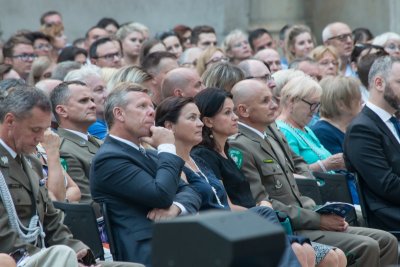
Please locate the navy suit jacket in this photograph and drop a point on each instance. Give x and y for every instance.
(371, 149)
(132, 184)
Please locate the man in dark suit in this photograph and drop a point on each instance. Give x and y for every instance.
(266, 161)
(372, 147)
(74, 108)
(25, 115)
(137, 188)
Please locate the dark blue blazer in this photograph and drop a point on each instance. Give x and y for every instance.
(132, 184)
(371, 150)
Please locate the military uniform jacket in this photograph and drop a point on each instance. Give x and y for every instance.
(28, 196)
(269, 167)
(78, 153)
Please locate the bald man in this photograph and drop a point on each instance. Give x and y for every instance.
(270, 57)
(266, 160)
(339, 35)
(256, 70)
(47, 85)
(181, 82)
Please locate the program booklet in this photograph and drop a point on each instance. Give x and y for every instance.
(338, 208)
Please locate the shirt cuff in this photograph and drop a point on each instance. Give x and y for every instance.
(169, 148)
(183, 209)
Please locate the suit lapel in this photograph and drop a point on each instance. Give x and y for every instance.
(147, 163)
(31, 175)
(381, 125)
(256, 138)
(11, 168)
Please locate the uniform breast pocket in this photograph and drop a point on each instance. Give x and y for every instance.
(20, 196)
(273, 178)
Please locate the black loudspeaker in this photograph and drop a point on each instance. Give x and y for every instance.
(217, 238)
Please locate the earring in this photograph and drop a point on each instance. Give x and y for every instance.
(211, 136)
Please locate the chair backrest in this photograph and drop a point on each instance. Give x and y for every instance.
(334, 188)
(81, 221)
(111, 241)
(361, 197)
(309, 188)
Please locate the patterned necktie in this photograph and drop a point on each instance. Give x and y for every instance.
(143, 151)
(395, 122)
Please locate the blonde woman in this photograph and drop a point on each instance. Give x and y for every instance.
(236, 46)
(300, 99)
(328, 60)
(298, 42)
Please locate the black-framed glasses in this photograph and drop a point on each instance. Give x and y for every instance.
(110, 57)
(267, 77)
(313, 106)
(342, 37)
(26, 57)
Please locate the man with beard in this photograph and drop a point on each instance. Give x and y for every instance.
(372, 145)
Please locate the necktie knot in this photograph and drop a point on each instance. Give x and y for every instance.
(143, 151)
(18, 159)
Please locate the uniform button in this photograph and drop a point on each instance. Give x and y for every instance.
(37, 201)
(293, 186)
(18, 200)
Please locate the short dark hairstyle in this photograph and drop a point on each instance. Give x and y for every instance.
(93, 47)
(48, 13)
(255, 34)
(282, 32)
(20, 101)
(61, 94)
(170, 109)
(69, 53)
(364, 65)
(104, 22)
(161, 36)
(90, 29)
(33, 36)
(152, 60)
(8, 48)
(210, 102)
(194, 39)
(146, 47)
(362, 33)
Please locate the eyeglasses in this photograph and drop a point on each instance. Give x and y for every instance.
(267, 77)
(313, 106)
(392, 47)
(342, 37)
(217, 59)
(110, 57)
(43, 47)
(25, 57)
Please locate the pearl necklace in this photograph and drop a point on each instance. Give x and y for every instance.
(201, 174)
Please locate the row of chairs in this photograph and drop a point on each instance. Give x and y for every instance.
(328, 188)
(81, 219)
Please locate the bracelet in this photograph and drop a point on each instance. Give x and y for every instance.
(321, 165)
